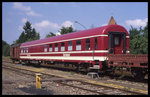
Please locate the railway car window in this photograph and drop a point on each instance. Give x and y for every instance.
(24, 50)
(62, 46)
(50, 48)
(27, 50)
(70, 46)
(45, 48)
(116, 40)
(87, 44)
(95, 43)
(78, 45)
(56, 47)
(21, 50)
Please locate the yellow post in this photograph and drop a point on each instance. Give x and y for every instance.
(38, 81)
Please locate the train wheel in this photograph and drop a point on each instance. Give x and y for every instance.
(122, 75)
(77, 68)
(20, 62)
(138, 75)
(13, 61)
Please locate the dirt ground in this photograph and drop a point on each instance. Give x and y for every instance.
(17, 84)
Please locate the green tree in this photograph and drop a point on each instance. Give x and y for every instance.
(145, 30)
(28, 29)
(34, 35)
(139, 40)
(65, 30)
(6, 48)
(28, 34)
(50, 34)
(37, 36)
(139, 45)
(22, 38)
(133, 32)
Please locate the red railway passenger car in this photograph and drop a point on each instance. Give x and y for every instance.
(88, 47)
(91, 49)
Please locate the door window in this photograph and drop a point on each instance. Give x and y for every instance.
(116, 39)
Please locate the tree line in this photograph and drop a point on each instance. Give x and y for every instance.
(29, 34)
(63, 30)
(138, 38)
(5, 48)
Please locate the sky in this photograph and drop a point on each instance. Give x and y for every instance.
(48, 17)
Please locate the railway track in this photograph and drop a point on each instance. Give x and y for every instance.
(106, 76)
(80, 84)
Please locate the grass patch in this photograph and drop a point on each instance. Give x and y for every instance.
(6, 57)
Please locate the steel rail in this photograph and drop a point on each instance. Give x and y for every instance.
(133, 92)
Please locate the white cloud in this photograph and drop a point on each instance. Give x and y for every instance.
(27, 9)
(45, 27)
(67, 24)
(32, 13)
(137, 22)
(46, 24)
(19, 6)
(24, 20)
